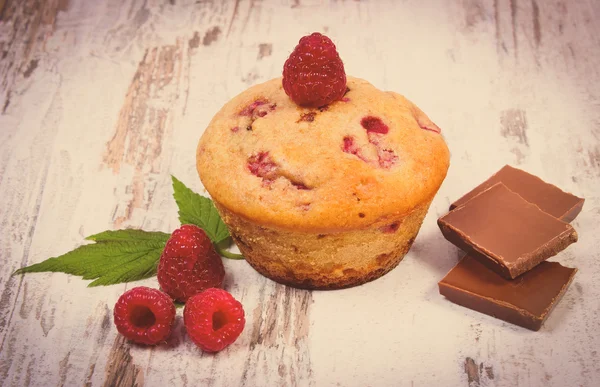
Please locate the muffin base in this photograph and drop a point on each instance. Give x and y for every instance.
(317, 260)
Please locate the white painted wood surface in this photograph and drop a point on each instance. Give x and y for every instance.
(100, 101)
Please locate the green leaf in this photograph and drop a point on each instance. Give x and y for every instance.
(116, 257)
(127, 235)
(198, 210)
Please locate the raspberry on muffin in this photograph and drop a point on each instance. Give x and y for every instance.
(314, 75)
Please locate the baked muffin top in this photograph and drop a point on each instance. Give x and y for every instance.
(358, 162)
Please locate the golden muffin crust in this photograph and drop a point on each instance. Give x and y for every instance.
(331, 169)
(324, 261)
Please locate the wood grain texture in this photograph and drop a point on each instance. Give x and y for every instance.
(101, 101)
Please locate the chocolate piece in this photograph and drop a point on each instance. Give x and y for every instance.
(526, 301)
(548, 197)
(505, 232)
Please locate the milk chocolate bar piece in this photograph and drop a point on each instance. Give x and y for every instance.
(506, 232)
(549, 198)
(526, 301)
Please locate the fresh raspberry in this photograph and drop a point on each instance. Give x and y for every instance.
(144, 315)
(189, 264)
(314, 74)
(213, 319)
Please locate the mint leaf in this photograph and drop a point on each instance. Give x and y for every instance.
(199, 210)
(116, 257)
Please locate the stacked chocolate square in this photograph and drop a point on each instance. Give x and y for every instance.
(508, 226)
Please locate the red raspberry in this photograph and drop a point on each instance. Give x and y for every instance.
(350, 146)
(374, 125)
(189, 264)
(250, 109)
(144, 315)
(314, 74)
(263, 166)
(213, 319)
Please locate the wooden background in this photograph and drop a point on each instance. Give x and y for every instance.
(101, 101)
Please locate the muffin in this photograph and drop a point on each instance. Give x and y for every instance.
(322, 198)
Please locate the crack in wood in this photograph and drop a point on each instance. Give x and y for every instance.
(2, 7)
(594, 158)
(194, 42)
(513, 21)
(63, 369)
(88, 376)
(5, 301)
(105, 324)
(63, 5)
(6, 101)
(537, 30)
(120, 368)
(264, 50)
(280, 325)
(211, 36)
(474, 13)
(47, 320)
(145, 119)
(497, 27)
(477, 374)
(50, 115)
(514, 124)
(505, 16)
(32, 23)
(472, 372)
(233, 16)
(33, 64)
